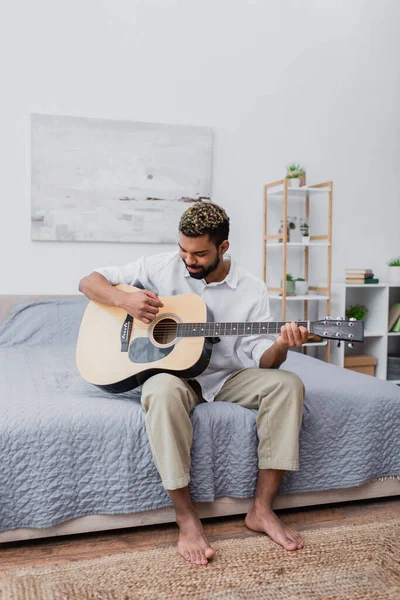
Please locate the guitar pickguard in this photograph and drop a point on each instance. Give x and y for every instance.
(142, 350)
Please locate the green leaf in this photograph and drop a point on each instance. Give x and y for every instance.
(356, 311)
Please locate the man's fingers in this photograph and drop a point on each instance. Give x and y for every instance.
(296, 334)
(152, 310)
(153, 298)
(304, 334)
(153, 304)
(149, 317)
(149, 293)
(289, 333)
(145, 320)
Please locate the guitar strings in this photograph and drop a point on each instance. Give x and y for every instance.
(181, 326)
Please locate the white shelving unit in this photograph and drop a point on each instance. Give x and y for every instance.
(279, 197)
(378, 341)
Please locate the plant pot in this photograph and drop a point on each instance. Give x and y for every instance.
(290, 287)
(294, 182)
(305, 239)
(394, 275)
(301, 288)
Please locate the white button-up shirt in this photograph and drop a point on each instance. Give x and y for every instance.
(239, 297)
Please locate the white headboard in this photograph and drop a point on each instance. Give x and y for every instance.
(7, 302)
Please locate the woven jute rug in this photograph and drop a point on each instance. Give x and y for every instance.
(359, 562)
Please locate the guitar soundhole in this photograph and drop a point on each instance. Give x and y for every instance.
(165, 331)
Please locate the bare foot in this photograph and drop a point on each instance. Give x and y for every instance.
(261, 518)
(193, 545)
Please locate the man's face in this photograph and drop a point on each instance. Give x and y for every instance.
(199, 254)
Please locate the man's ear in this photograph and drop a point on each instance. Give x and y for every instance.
(224, 247)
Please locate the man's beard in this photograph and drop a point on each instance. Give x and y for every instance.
(203, 272)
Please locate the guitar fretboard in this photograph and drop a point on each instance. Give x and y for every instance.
(222, 329)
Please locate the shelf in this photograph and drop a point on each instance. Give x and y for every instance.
(394, 333)
(298, 244)
(373, 334)
(299, 192)
(366, 285)
(298, 297)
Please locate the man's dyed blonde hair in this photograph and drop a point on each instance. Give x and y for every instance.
(205, 218)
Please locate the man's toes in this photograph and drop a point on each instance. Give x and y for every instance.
(193, 556)
(203, 560)
(295, 540)
(209, 552)
(294, 536)
(290, 544)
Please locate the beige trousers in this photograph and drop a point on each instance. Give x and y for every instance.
(168, 401)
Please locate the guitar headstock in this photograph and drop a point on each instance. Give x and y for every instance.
(339, 329)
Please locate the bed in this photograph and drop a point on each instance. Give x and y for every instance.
(76, 459)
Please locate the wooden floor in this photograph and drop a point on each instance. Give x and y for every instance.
(17, 555)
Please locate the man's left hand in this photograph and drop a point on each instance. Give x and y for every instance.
(292, 336)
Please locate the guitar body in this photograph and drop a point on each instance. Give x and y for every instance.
(102, 358)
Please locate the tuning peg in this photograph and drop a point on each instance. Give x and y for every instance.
(327, 318)
(351, 345)
(339, 319)
(352, 319)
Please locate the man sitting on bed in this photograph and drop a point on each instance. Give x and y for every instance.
(244, 370)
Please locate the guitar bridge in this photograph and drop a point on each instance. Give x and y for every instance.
(125, 334)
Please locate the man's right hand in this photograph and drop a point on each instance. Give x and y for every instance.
(143, 306)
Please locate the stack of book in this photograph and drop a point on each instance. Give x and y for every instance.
(360, 276)
(394, 318)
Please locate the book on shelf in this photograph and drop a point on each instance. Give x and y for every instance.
(359, 272)
(355, 281)
(359, 280)
(394, 316)
(359, 276)
(396, 326)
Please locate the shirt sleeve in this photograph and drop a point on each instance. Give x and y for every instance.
(254, 346)
(133, 273)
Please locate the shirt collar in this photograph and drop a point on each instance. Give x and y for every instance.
(231, 279)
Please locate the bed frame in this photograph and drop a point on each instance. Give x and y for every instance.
(220, 507)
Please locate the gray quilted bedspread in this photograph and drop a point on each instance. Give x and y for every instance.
(67, 449)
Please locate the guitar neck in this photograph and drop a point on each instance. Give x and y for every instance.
(235, 329)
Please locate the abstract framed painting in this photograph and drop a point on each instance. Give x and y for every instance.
(103, 180)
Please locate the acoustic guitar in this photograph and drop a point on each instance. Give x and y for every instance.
(119, 353)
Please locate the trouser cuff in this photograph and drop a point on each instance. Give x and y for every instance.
(175, 484)
(285, 465)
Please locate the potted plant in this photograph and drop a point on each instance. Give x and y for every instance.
(295, 175)
(305, 232)
(290, 224)
(356, 311)
(301, 286)
(290, 285)
(394, 270)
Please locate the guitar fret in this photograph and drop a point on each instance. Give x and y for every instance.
(231, 329)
